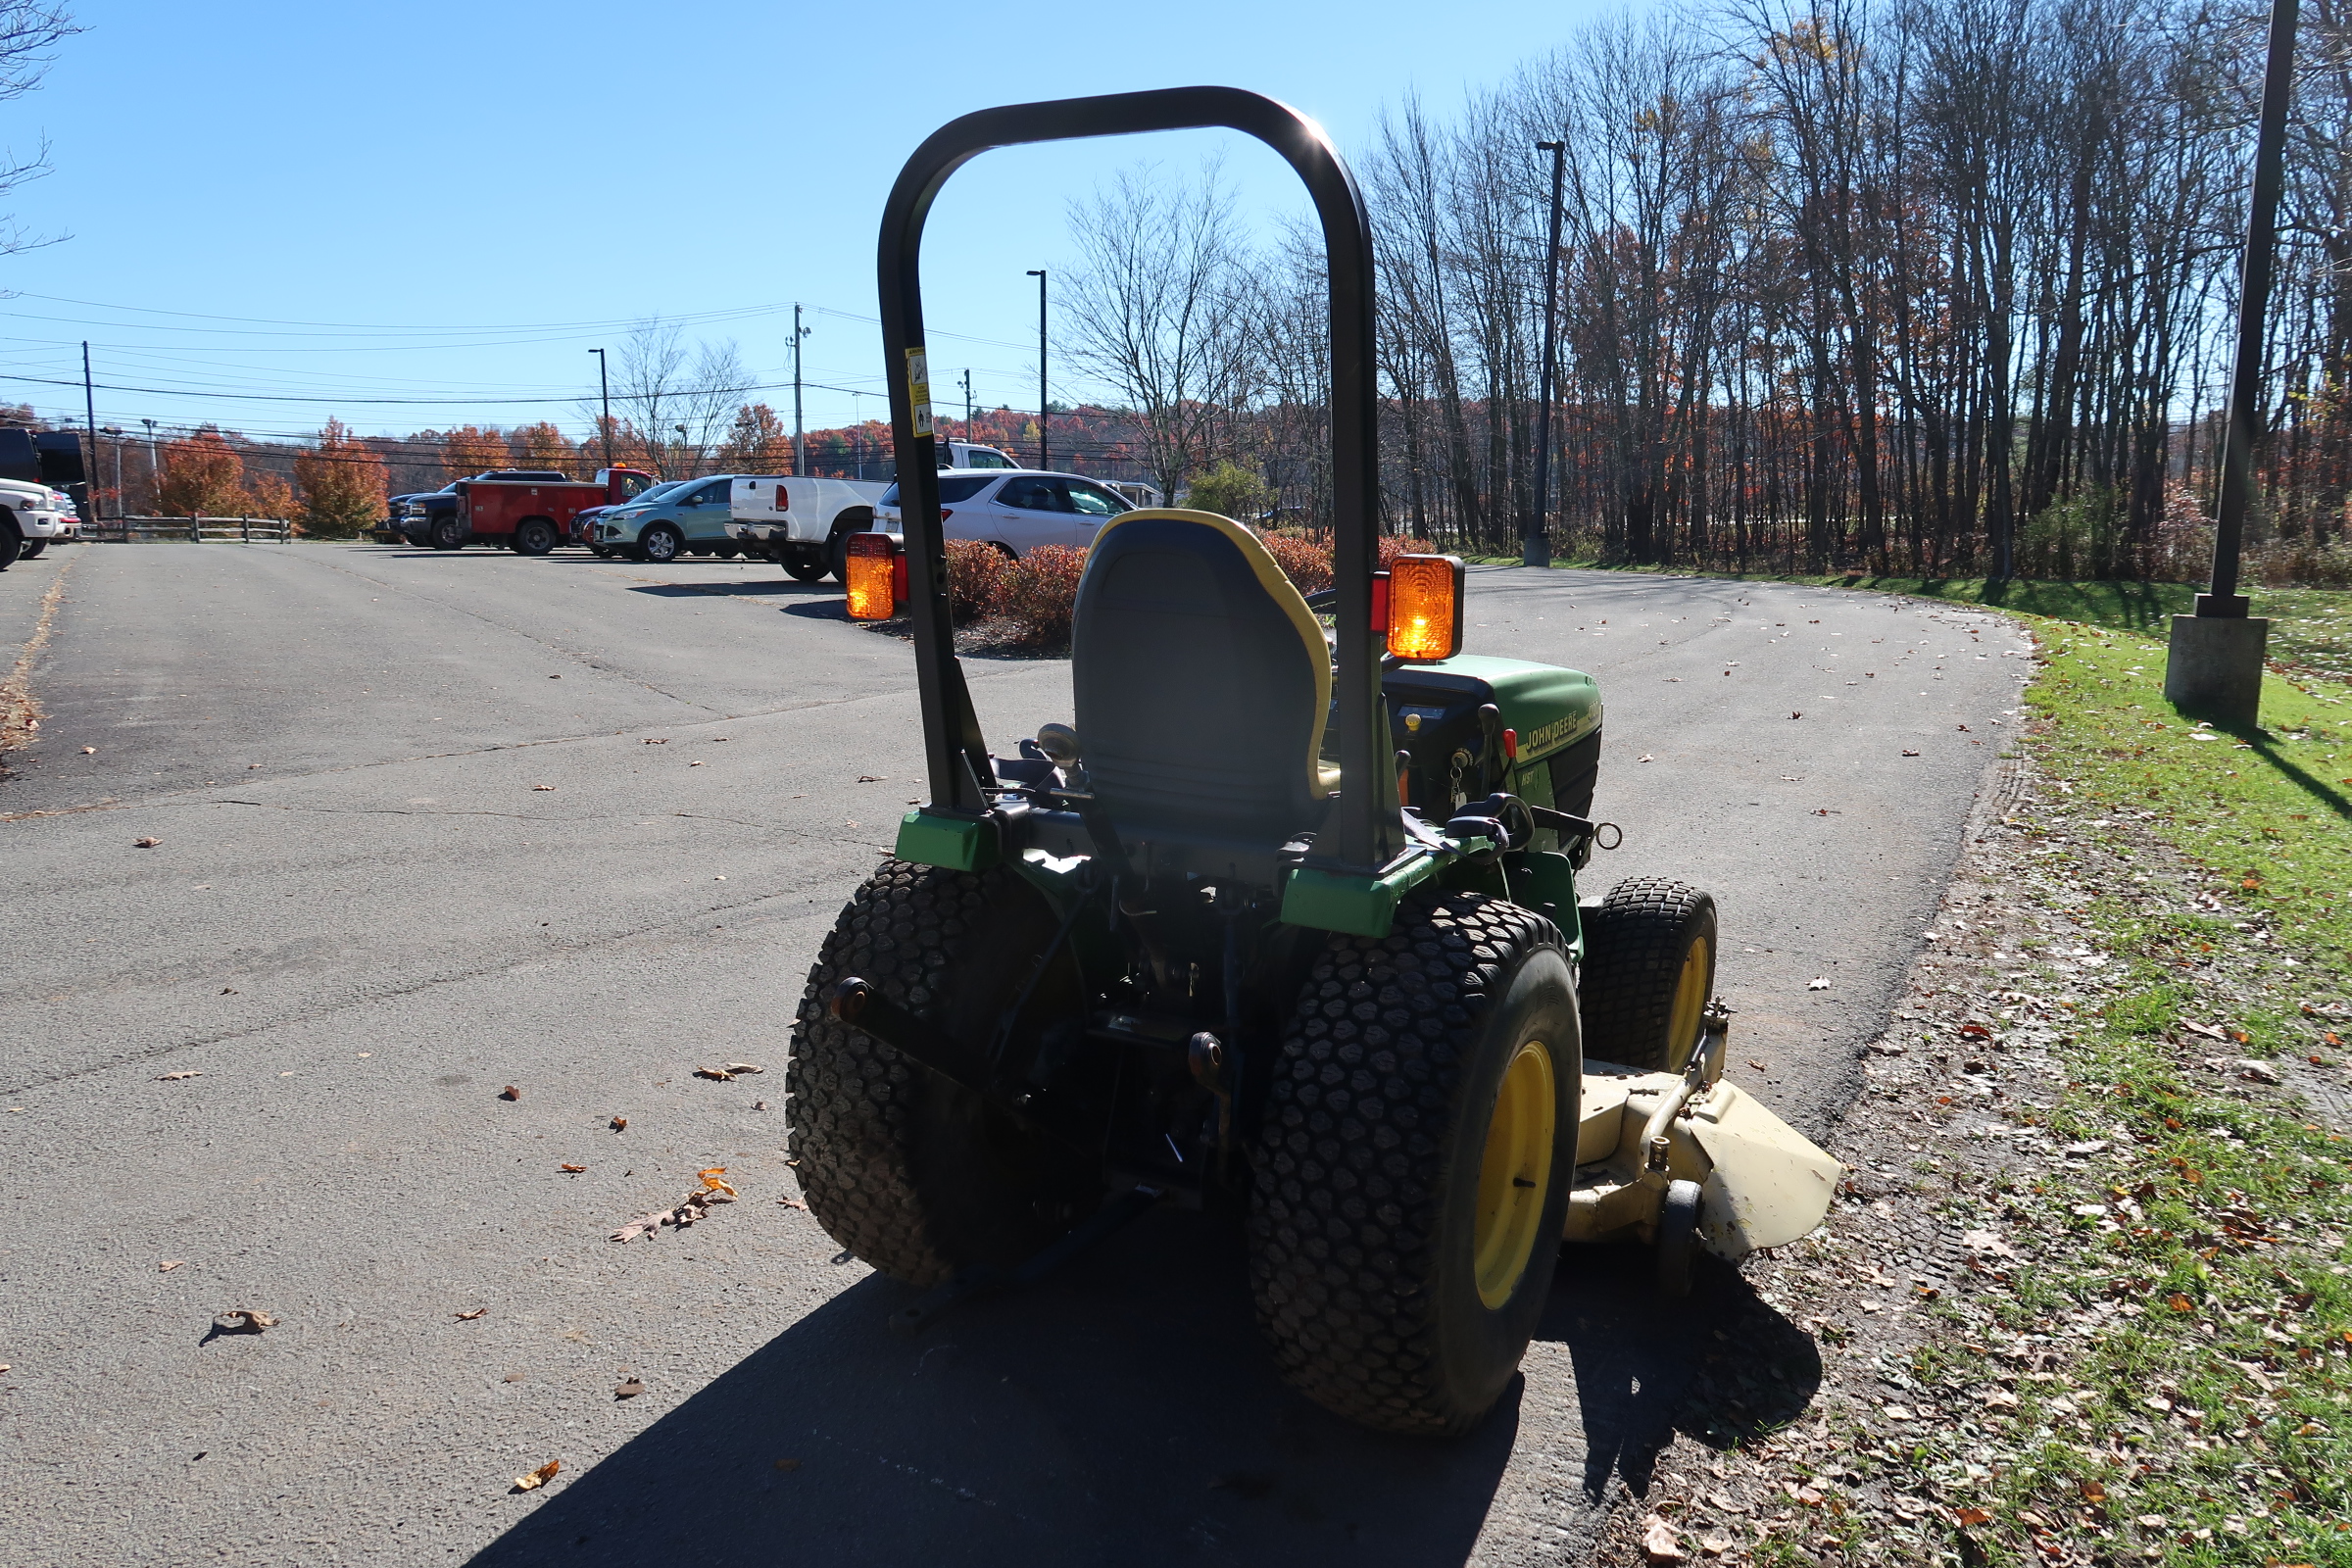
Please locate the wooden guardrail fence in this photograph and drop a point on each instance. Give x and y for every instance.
(194, 530)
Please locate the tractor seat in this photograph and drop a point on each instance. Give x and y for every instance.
(1201, 682)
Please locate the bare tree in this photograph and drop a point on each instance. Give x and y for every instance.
(674, 405)
(29, 30)
(1161, 308)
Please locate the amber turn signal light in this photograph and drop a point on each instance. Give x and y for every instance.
(872, 576)
(1425, 606)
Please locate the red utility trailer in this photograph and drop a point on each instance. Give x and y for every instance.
(531, 517)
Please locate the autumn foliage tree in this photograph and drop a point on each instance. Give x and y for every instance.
(757, 442)
(542, 445)
(342, 482)
(471, 449)
(203, 476)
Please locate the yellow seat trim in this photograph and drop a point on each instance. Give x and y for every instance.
(1322, 778)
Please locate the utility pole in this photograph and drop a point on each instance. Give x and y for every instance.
(605, 382)
(1535, 545)
(2215, 667)
(154, 463)
(967, 404)
(1044, 446)
(800, 456)
(89, 414)
(116, 432)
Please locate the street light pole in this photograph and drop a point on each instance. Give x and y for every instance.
(604, 384)
(1535, 545)
(2215, 667)
(89, 412)
(155, 463)
(800, 457)
(681, 429)
(1045, 448)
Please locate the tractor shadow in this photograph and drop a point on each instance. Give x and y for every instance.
(1123, 1411)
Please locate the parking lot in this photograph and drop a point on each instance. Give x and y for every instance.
(431, 825)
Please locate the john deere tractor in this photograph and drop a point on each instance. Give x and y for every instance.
(1284, 925)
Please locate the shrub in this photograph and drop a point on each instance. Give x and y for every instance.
(1305, 562)
(1230, 491)
(1391, 547)
(1041, 589)
(978, 574)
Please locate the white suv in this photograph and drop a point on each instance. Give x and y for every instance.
(31, 516)
(1016, 511)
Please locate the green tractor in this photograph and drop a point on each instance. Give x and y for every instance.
(1285, 925)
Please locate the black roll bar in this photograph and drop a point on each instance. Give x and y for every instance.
(1365, 819)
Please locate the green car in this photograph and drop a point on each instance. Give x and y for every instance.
(685, 516)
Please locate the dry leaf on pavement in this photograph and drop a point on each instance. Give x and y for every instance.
(543, 786)
(1658, 1542)
(539, 1477)
(794, 1203)
(689, 1209)
(243, 1320)
(572, 1171)
(170, 1264)
(1819, 982)
(620, 1123)
(467, 1317)
(145, 844)
(175, 1077)
(510, 1092)
(629, 1388)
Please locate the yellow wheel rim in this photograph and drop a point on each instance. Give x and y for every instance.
(1689, 1000)
(1514, 1173)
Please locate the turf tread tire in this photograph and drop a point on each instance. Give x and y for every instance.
(876, 1138)
(1634, 946)
(1349, 1194)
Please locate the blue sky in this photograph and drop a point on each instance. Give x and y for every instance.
(319, 205)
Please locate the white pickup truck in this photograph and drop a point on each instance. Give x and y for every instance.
(31, 514)
(806, 523)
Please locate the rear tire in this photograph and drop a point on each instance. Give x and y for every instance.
(449, 534)
(31, 548)
(534, 536)
(659, 544)
(1414, 1166)
(806, 568)
(915, 1174)
(12, 543)
(1649, 968)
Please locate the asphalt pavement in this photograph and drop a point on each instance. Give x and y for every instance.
(433, 824)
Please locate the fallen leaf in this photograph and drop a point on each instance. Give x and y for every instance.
(664, 741)
(2257, 1072)
(467, 1317)
(511, 1377)
(873, 778)
(716, 1074)
(1796, 716)
(1969, 1518)
(170, 1265)
(243, 1320)
(510, 1092)
(628, 1389)
(740, 1067)
(1910, 754)
(793, 1203)
(1819, 982)
(2092, 1492)
(573, 1170)
(1658, 1542)
(145, 844)
(175, 1077)
(697, 763)
(90, 751)
(710, 1179)
(1999, 1400)
(620, 1123)
(543, 786)
(539, 1477)
(2181, 1303)
(1985, 1241)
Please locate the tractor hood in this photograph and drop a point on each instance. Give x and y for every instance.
(1550, 707)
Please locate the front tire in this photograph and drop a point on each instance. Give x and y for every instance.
(1414, 1166)
(449, 534)
(31, 548)
(915, 1174)
(1649, 968)
(659, 544)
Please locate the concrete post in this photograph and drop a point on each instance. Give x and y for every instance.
(2215, 669)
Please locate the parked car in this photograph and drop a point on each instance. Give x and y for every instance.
(1019, 510)
(967, 454)
(32, 517)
